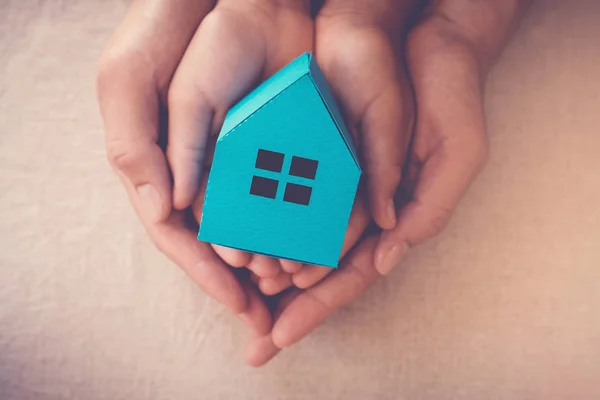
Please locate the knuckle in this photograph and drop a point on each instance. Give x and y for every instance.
(178, 96)
(120, 69)
(332, 16)
(437, 222)
(351, 38)
(122, 155)
(357, 279)
(353, 47)
(393, 175)
(434, 40)
(433, 219)
(186, 96)
(110, 70)
(385, 167)
(163, 247)
(355, 14)
(326, 305)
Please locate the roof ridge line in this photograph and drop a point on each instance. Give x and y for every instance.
(261, 107)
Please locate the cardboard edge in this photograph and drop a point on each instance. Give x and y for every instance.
(308, 57)
(230, 131)
(349, 146)
(328, 265)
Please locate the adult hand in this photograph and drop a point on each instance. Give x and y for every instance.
(448, 54)
(231, 52)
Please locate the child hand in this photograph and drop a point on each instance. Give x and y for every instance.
(358, 49)
(237, 45)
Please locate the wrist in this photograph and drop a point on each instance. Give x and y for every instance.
(483, 26)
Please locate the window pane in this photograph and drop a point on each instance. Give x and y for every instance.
(304, 167)
(269, 160)
(298, 194)
(264, 187)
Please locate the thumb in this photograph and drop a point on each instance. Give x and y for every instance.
(449, 149)
(221, 64)
(129, 103)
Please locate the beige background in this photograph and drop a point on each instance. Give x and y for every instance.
(504, 305)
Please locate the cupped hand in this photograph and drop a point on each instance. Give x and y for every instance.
(239, 44)
(358, 47)
(168, 76)
(448, 149)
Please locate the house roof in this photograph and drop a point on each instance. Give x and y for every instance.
(279, 82)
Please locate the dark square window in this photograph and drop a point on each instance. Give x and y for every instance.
(264, 187)
(298, 194)
(269, 160)
(303, 167)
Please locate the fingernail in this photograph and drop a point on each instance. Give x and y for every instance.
(392, 258)
(151, 201)
(391, 211)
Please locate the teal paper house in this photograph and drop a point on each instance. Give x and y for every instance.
(285, 173)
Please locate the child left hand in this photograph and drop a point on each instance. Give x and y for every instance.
(358, 48)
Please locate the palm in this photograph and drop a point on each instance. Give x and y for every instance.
(446, 154)
(362, 68)
(235, 48)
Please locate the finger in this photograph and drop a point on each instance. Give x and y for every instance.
(290, 266)
(276, 285)
(199, 262)
(256, 316)
(254, 278)
(309, 275)
(442, 181)
(226, 57)
(233, 257)
(129, 103)
(451, 147)
(360, 62)
(386, 127)
(205, 269)
(261, 349)
(135, 69)
(263, 266)
(310, 308)
(359, 220)
(223, 61)
(195, 258)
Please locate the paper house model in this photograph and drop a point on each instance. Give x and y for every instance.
(285, 173)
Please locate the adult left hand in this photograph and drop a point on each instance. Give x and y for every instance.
(358, 47)
(448, 55)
